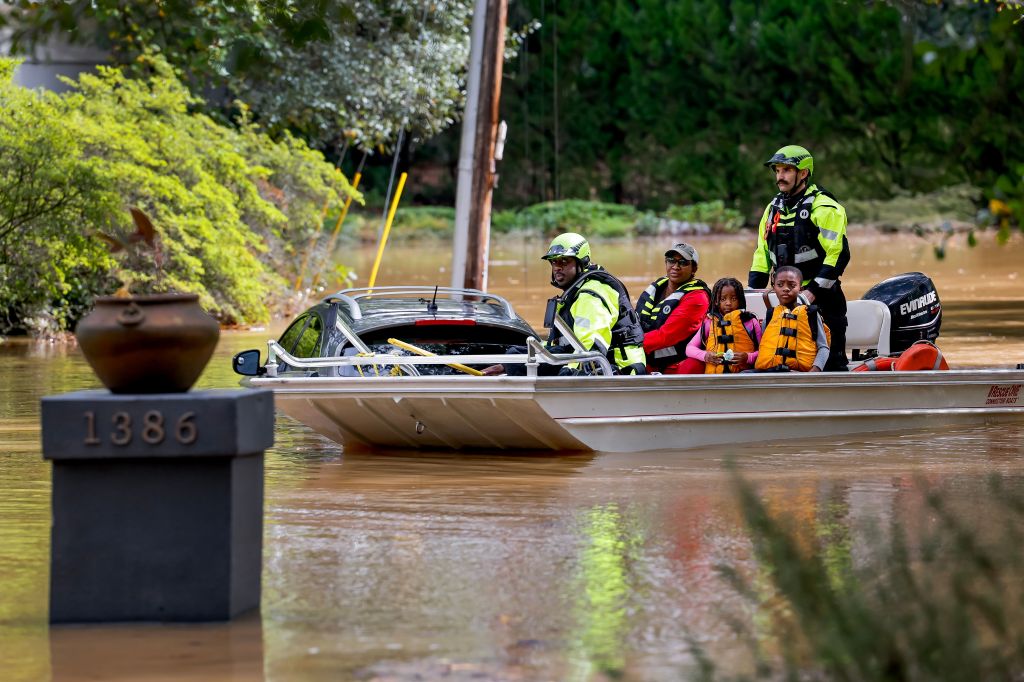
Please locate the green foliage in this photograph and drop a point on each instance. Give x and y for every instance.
(424, 221)
(931, 210)
(366, 67)
(681, 102)
(591, 218)
(232, 207)
(49, 266)
(714, 214)
(941, 604)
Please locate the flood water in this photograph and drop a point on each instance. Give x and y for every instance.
(470, 566)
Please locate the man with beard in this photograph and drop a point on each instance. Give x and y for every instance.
(805, 226)
(595, 305)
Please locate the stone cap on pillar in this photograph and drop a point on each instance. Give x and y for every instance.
(98, 424)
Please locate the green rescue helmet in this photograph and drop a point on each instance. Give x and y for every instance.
(793, 155)
(569, 245)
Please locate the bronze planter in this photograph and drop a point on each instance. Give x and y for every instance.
(148, 344)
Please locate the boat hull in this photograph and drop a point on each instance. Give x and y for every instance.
(634, 414)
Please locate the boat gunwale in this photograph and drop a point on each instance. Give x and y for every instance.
(507, 384)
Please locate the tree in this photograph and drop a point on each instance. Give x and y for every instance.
(233, 208)
(331, 71)
(655, 103)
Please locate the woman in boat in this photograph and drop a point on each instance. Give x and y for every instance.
(794, 336)
(729, 337)
(671, 311)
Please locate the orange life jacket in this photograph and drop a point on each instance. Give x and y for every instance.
(790, 337)
(728, 332)
(922, 355)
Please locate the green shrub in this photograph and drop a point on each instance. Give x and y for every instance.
(955, 204)
(423, 221)
(647, 224)
(238, 214)
(503, 222)
(714, 214)
(939, 604)
(590, 218)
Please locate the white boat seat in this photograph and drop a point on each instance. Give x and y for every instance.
(868, 325)
(868, 322)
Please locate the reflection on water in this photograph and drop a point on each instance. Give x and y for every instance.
(396, 566)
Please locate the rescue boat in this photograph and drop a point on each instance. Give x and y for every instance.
(352, 384)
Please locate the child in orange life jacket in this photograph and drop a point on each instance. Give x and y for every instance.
(728, 339)
(794, 334)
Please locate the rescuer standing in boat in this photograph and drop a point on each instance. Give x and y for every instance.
(805, 226)
(594, 304)
(671, 311)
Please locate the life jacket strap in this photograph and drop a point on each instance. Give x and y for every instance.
(788, 331)
(726, 338)
(785, 352)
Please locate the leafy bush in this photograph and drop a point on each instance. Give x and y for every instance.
(503, 222)
(420, 221)
(590, 218)
(955, 204)
(714, 214)
(236, 211)
(942, 604)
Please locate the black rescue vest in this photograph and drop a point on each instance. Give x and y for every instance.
(625, 332)
(793, 238)
(654, 310)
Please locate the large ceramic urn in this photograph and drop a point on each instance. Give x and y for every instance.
(148, 344)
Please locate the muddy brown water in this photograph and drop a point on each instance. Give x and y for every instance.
(470, 566)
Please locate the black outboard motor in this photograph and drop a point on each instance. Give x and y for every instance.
(913, 305)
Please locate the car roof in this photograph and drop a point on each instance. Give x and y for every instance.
(366, 309)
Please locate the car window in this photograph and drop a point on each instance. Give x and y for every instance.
(302, 338)
(308, 343)
(292, 334)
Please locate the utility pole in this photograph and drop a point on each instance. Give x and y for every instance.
(481, 140)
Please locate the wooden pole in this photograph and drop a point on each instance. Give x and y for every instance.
(486, 136)
(472, 240)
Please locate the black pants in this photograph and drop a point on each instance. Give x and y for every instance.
(832, 307)
(516, 369)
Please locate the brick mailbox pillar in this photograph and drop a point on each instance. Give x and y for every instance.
(157, 504)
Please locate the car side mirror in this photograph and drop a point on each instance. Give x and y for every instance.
(247, 363)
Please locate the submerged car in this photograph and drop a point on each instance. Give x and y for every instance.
(390, 320)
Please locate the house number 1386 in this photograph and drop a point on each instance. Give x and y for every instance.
(152, 429)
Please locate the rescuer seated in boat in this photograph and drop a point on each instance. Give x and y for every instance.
(794, 336)
(594, 304)
(729, 337)
(671, 311)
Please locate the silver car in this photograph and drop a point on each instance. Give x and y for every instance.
(438, 320)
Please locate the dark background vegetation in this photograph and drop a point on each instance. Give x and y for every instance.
(626, 117)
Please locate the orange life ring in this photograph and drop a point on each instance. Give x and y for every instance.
(922, 355)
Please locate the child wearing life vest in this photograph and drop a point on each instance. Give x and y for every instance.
(729, 336)
(794, 334)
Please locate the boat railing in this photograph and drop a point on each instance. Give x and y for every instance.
(536, 355)
(351, 297)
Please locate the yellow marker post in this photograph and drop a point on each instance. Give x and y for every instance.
(387, 231)
(337, 225)
(419, 351)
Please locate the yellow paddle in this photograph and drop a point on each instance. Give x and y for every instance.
(419, 351)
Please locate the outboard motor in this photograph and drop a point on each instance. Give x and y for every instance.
(914, 307)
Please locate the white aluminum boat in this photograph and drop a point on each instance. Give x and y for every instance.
(630, 414)
(360, 392)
